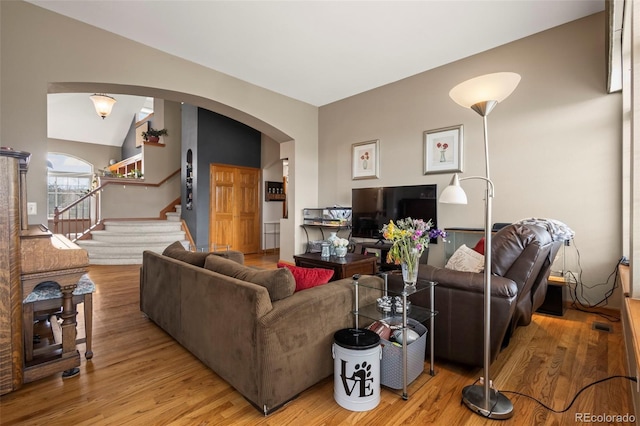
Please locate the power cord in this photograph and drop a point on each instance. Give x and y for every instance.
(577, 291)
(633, 379)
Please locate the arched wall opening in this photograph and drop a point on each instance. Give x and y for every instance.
(270, 132)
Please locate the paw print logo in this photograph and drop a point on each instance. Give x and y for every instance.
(361, 380)
(363, 371)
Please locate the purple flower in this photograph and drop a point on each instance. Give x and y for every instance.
(435, 233)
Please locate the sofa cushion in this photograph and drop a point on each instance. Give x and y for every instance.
(279, 282)
(308, 277)
(479, 247)
(177, 251)
(466, 259)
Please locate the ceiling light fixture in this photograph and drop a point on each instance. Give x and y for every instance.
(103, 104)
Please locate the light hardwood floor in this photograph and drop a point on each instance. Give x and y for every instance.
(140, 375)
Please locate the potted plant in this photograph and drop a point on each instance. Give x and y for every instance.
(135, 173)
(153, 135)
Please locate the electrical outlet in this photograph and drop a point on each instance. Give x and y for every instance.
(32, 209)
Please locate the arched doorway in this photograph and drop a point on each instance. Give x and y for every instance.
(269, 131)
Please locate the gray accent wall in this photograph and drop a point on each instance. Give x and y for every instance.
(213, 139)
(129, 148)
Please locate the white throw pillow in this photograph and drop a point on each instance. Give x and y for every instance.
(466, 259)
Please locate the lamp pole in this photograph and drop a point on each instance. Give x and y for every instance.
(482, 94)
(482, 399)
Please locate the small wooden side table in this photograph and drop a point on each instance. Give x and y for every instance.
(343, 267)
(554, 300)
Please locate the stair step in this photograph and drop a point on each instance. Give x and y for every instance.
(123, 242)
(143, 226)
(134, 260)
(173, 217)
(124, 248)
(120, 255)
(142, 237)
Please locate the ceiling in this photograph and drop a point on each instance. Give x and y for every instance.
(77, 108)
(322, 51)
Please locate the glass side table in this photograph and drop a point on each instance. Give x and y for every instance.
(394, 286)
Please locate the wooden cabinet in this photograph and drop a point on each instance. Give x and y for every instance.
(11, 346)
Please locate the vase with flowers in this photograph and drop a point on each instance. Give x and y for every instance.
(340, 245)
(409, 238)
(443, 149)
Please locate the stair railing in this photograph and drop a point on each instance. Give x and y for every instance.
(70, 220)
(73, 222)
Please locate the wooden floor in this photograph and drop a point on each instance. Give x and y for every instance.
(140, 375)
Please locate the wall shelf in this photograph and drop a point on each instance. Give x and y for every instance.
(274, 191)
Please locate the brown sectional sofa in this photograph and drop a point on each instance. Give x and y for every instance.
(268, 350)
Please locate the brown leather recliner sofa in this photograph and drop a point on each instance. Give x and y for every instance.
(521, 259)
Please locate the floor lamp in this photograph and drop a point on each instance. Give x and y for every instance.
(482, 94)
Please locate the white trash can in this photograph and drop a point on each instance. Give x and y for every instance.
(356, 377)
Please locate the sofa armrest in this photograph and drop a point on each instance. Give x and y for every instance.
(468, 281)
(297, 335)
(459, 324)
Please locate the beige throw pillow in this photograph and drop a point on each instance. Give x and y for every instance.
(278, 282)
(466, 259)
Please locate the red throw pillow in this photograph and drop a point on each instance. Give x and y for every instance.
(308, 277)
(480, 246)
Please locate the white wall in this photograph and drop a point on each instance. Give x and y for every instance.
(555, 144)
(271, 210)
(43, 51)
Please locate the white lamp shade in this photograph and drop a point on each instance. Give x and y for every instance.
(103, 104)
(490, 87)
(453, 194)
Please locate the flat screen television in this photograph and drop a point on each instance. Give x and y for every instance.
(374, 207)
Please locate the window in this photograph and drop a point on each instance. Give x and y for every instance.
(68, 178)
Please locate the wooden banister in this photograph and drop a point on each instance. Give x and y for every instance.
(187, 233)
(127, 165)
(76, 228)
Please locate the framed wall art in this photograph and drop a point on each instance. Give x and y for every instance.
(365, 163)
(443, 150)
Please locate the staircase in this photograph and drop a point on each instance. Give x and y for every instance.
(122, 242)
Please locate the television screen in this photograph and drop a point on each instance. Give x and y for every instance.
(374, 207)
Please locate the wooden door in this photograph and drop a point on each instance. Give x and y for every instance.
(235, 207)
